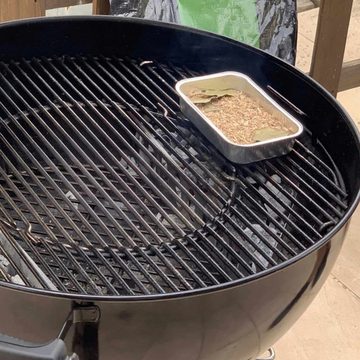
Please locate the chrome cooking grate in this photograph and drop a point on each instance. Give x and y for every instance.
(106, 189)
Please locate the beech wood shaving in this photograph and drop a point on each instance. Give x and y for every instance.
(238, 117)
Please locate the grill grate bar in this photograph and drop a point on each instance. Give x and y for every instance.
(121, 279)
(160, 102)
(146, 165)
(144, 272)
(159, 272)
(29, 243)
(150, 82)
(49, 232)
(171, 78)
(122, 198)
(153, 282)
(115, 275)
(218, 254)
(138, 97)
(125, 197)
(92, 266)
(334, 183)
(179, 73)
(128, 271)
(84, 255)
(311, 189)
(261, 222)
(204, 271)
(177, 275)
(114, 271)
(83, 177)
(319, 185)
(278, 212)
(158, 77)
(141, 132)
(63, 162)
(65, 226)
(47, 195)
(149, 126)
(293, 200)
(302, 192)
(105, 194)
(18, 267)
(43, 179)
(64, 198)
(232, 251)
(211, 259)
(238, 241)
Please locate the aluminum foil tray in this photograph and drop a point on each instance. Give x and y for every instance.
(241, 154)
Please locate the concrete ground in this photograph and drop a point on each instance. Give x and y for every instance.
(330, 329)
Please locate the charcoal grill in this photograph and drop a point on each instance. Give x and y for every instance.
(113, 204)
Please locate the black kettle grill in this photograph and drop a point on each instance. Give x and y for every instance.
(124, 233)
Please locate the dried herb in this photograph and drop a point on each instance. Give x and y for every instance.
(204, 96)
(268, 133)
(239, 117)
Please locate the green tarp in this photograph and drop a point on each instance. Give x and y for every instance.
(234, 18)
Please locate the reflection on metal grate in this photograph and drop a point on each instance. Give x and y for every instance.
(107, 189)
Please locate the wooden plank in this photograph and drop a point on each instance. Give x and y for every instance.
(55, 4)
(101, 7)
(330, 41)
(303, 5)
(350, 75)
(19, 9)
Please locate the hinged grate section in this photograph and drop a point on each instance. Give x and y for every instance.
(106, 189)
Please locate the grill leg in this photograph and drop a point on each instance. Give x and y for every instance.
(85, 341)
(271, 355)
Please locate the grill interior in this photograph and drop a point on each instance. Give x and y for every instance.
(107, 189)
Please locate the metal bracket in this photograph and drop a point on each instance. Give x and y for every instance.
(72, 357)
(80, 314)
(271, 355)
(87, 314)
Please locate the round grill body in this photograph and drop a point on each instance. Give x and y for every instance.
(111, 198)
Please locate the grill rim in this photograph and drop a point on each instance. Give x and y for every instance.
(355, 199)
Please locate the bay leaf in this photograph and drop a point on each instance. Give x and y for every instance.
(204, 96)
(201, 99)
(219, 92)
(268, 133)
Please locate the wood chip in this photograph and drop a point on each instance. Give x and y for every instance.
(240, 118)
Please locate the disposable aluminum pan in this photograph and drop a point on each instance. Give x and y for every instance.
(241, 154)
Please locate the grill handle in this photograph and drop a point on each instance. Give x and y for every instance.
(16, 349)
